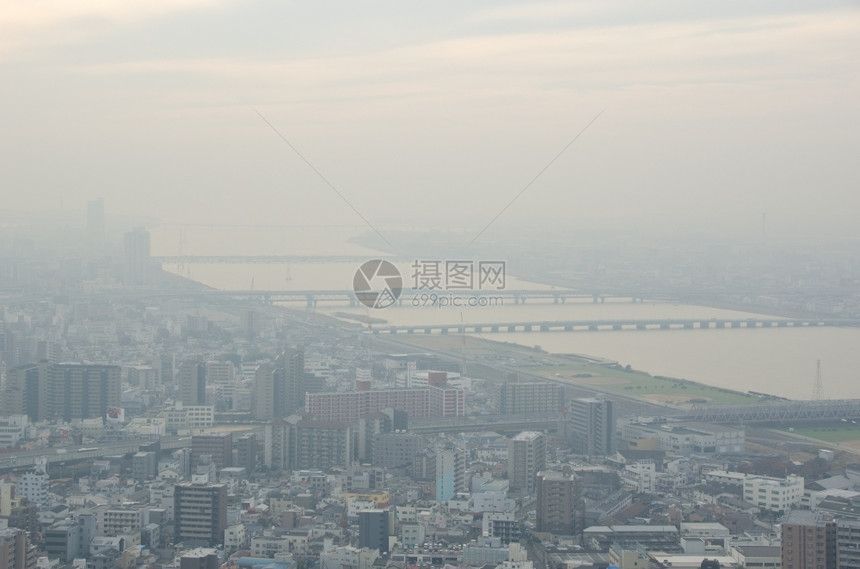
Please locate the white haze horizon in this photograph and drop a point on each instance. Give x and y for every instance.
(438, 116)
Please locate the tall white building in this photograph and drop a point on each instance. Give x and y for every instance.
(34, 486)
(450, 473)
(526, 456)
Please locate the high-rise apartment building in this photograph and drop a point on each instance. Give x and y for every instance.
(526, 457)
(200, 513)
(450, 473)
(191, 379)
(167, 368)
(290, 368)
(808, 541)
(367, 429)
(418, 403)
(16, 552)
(276, 441)
(396, 450)
(139, 269)
(301, 443)
(521, 398)
(144, 465)
(220, 372)
(26, 392)
(320, 445)
(265, 393)
(246, 451)
(7, 498)
(374, 527)
(64, 392)
(424, 466)
(848, 543)
(218, 446)
(590, 426)
(279, 388)
(83, 391)
(145, 377)
(560, 509)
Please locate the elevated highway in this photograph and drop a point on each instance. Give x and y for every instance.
(28, 458)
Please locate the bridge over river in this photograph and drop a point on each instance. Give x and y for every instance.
(777, 411)
(595, 325)
(311, 298)
(267, 259)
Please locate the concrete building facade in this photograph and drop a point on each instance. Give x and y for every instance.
(590, 426)
(526, 457)
(200, 514)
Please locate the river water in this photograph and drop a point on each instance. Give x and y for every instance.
(778, 361)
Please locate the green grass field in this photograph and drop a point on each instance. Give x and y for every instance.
(829, 434)
(579, 371)
(637, 384)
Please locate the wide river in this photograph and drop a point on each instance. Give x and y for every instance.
(779, 361)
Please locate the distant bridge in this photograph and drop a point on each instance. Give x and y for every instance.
(409, 297)
(773, 412)
(429, 298)
(271, 259)
(595, 325)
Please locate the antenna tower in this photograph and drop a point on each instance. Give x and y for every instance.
(818, 388)
(463, 347)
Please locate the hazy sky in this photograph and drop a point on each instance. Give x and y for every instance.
(715, 111)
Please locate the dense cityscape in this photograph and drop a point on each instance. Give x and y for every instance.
(144, 423)
(497, 284)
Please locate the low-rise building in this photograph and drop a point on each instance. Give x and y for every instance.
(774, 494)
(13, 428)
(503, 525)
(684, 438)
(189, 417)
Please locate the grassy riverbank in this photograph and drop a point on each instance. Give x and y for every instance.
(581, 370)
